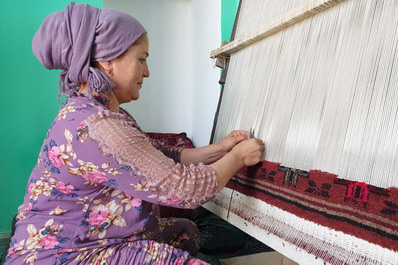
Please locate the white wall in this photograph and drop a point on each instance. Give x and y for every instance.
(182, 92)
(206, 36)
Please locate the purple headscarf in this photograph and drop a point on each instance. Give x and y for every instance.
(73, 38)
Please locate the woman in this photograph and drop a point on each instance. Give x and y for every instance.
(93, 196)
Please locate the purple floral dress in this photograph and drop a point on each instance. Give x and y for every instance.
(93, 196)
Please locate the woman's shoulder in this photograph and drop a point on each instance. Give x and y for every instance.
(74, 113)
(80, 106)
(81, 111)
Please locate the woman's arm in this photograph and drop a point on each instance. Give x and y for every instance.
(228, 156)
(146, 173)
(211, 153)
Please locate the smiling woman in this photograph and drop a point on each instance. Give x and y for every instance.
(93, 195)
(127, 72)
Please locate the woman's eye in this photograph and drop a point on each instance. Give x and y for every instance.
(142, 60)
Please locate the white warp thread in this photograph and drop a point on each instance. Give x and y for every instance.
(322, 93)
(278, 228)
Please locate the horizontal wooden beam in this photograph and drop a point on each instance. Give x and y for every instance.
(296, 15)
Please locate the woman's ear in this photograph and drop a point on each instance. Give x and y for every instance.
(105, 67)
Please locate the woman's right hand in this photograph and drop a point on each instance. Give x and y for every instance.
(246, 153)
(249, 151)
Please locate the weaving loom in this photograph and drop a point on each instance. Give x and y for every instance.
(317, 80)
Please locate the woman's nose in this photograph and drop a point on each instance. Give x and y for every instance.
(146, 71)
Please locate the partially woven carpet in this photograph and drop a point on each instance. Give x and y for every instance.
(355, 208)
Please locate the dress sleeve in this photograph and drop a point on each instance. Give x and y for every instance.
(170, 182)
(169, 151)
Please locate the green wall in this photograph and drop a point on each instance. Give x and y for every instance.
(29, 98)
(228, 14)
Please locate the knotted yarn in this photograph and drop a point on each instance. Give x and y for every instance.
(72, 39)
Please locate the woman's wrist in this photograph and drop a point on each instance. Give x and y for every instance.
(226, 167)
(234, 160)
(220, 149)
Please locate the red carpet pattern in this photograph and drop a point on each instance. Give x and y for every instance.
(355, 208)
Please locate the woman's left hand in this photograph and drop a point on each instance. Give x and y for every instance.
(233, 139)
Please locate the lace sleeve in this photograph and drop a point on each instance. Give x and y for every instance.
(118, 136)
(169, 151)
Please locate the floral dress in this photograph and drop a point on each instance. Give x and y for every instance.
(93, 196)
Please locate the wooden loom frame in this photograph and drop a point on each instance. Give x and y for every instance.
(225, 198)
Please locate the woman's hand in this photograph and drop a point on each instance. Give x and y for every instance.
(233, 139)
(249, 151)
(245, 153)
(211, 153)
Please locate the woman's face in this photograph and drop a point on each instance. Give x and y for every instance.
(129, 70)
